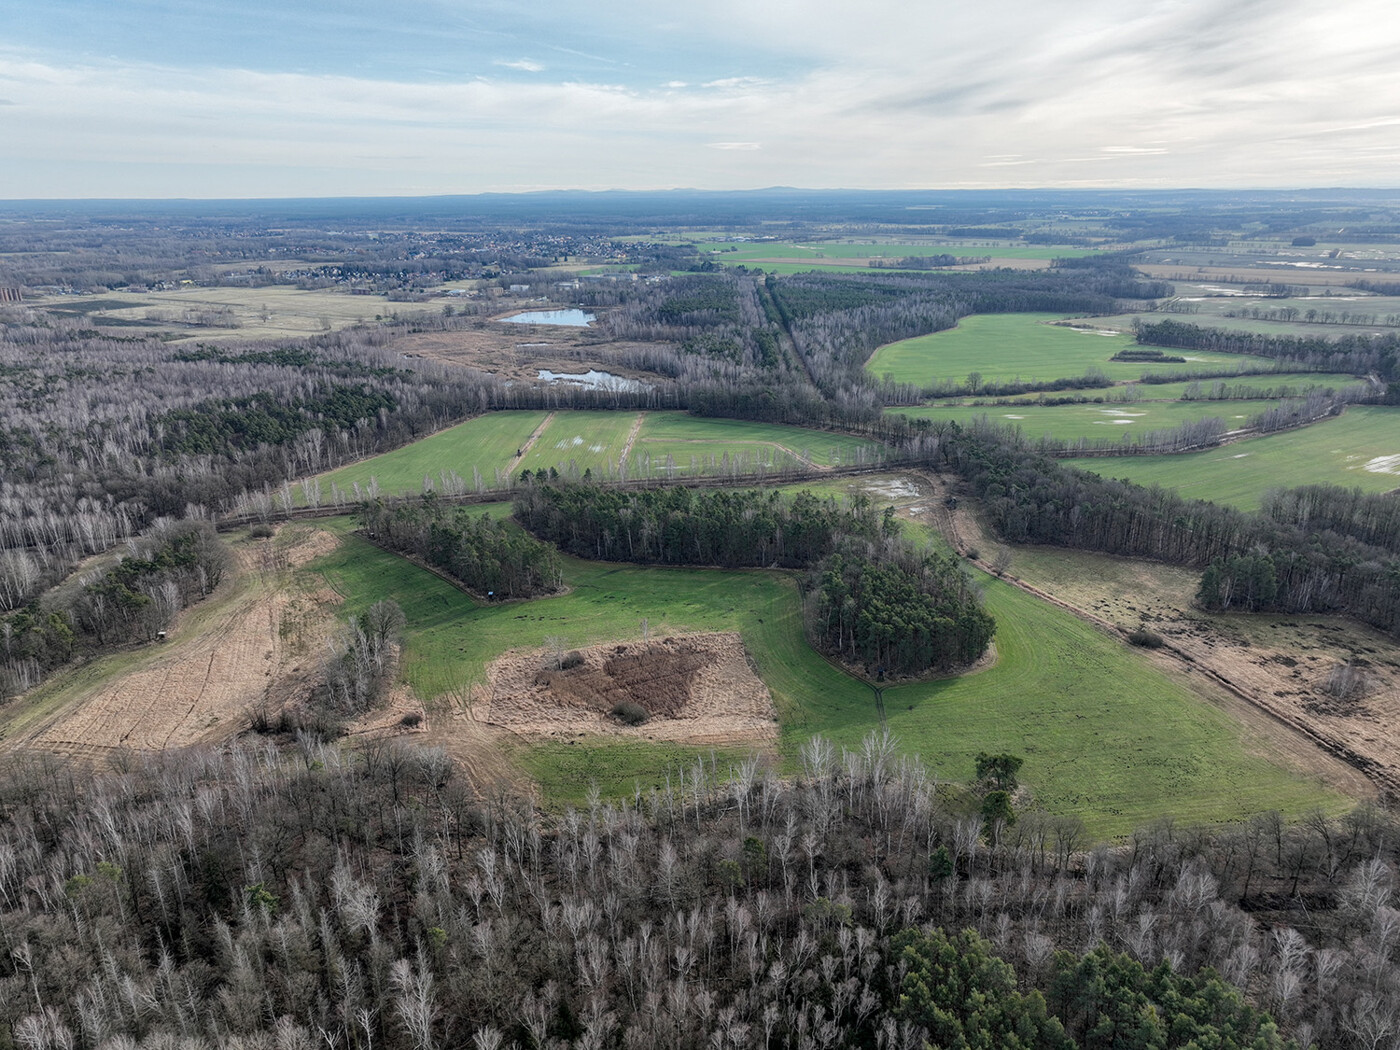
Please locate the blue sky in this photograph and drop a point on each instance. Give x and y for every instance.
(249, 98)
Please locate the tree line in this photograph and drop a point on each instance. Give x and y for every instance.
(484, 554)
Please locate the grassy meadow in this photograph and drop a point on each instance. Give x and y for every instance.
(1359, 449)
(1097, 422)
(591, 440)
(1026, 347)
(1106, 736)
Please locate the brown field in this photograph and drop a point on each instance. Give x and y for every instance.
(1261, 274)
(696, 689)
(515, 351)
(254, 642)
(1269, 670)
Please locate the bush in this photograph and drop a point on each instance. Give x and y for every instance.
(1147, 639)
(574, 659)
(412, 719)
(630, 713)
(261, 532)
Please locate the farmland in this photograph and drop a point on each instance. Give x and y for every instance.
(596, 441)
(1030, 348)
(1095, 719)
(1097, 422)
(1358, 449)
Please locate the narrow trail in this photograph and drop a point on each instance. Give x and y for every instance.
(530, 441)
(631, 440)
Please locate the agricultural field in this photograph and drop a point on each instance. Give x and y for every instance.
(1359, 449)
(685, 438)
(1028, 347)
(581, 441)
(204, 314)
(487, 443)
(591, 440)
(1107, 736)
(1098, 422)
(786, 257)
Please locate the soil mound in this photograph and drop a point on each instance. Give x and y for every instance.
(695, 688)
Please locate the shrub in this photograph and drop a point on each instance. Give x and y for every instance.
(574, 659)
(413, 718)
(633, 714)
(261, 532)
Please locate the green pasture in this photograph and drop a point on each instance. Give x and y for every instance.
(686, 437)
(1359, 449)
(1097, 422)
(1026, 347)
(487, 442)
(585, 439)
(1105, 735)
(590, 439)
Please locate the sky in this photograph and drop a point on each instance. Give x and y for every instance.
(305, 98)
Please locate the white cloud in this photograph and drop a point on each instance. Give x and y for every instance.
(1186, 92)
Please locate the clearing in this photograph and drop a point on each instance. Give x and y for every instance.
(255, 639)
(694, 689)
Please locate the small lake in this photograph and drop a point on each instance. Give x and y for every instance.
(592, 379)
(567, 318)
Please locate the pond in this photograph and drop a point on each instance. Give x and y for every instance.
(568, 318)
(592, 379)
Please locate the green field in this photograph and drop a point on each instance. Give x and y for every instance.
(585, 440)
(685, 438)
(820, 252)
(487, 442)
(1105, 735)
(1360, 449)
(590, 440)
(1024, 346)
(1094, 422)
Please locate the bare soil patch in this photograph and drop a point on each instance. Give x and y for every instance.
(699, 689)
(521, 352)
(256, 642)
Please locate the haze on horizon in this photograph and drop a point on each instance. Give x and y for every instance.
(152, 98)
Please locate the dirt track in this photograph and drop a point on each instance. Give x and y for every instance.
(197, 687)
(1266, 670)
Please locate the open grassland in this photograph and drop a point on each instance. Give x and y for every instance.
(585, 440)
(195, 313)
(684, 437)
(488, 443)
(1026, 347)
(1360, 449)
(1106, 735)
(593, 440)
(1098, 422)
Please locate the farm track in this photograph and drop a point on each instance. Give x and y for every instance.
(631, 440)
(1384, 777)
(530, 441)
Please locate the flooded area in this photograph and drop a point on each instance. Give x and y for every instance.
(565, 318)
(592, 379)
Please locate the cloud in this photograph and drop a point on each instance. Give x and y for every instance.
(734, 145)
(523, 64)
(8, 102)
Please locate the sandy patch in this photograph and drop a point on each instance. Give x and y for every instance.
(259, 644)
(698, 689)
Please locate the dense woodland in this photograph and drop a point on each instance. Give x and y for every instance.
(331, 897)
(483, 554)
